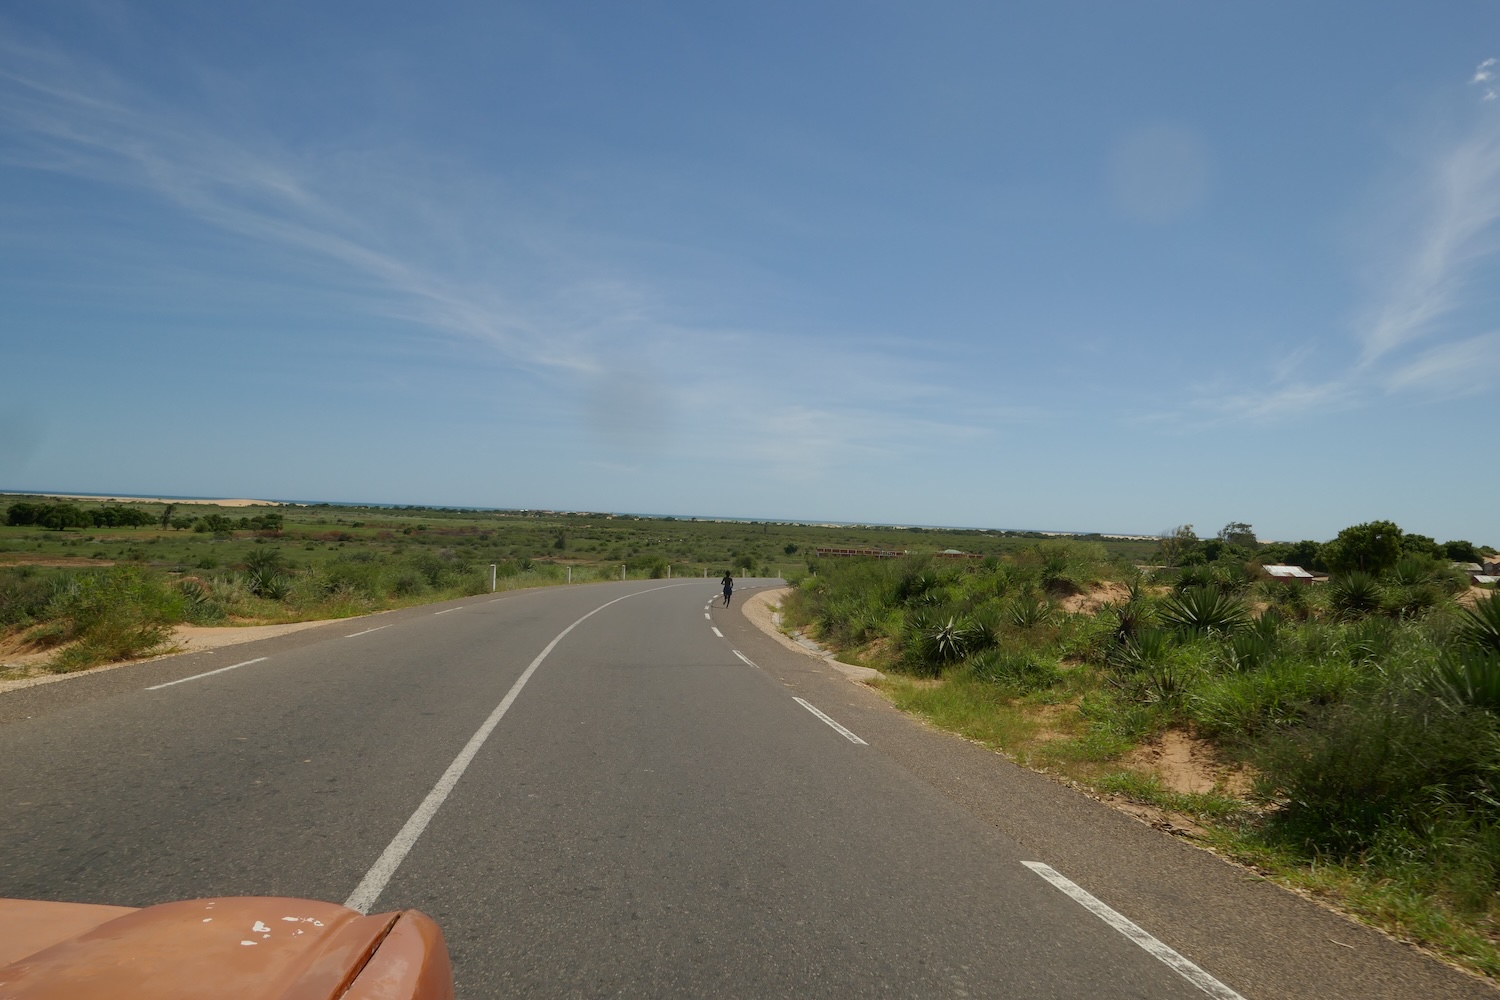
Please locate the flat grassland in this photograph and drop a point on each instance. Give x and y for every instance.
(75, 597)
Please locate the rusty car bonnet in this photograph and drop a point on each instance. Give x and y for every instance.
(256, 948)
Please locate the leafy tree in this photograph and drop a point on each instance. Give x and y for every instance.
(181, 521)
(24, 513)
(62, 516)
(216, 523)
(1461, 551)
(1305, 553)
(1239, 534)
(1421, 545)
(1372, 547)
(790, 548)
(166, 515)
(119, 516)
(1176, 544)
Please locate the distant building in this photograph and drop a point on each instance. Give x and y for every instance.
(1295, 573)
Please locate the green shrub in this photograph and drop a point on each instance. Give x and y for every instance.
(1479, 627)
(947, 641)
(1252, 649)
(1029, 613)
(1355, 593)
(121, 613)
(1204, 611)
(1469, 677)
(1147, 648)
(1017, 668)
(25, 592)
(1385, 759)
(1242, 705)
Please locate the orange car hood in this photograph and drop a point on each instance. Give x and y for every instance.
(250, 947)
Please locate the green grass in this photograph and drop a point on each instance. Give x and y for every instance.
(334, 561)
(1371, 727)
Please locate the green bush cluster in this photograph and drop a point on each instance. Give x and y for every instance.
(102, 615)
(61, 516)
(933, 615)
(1369, 707)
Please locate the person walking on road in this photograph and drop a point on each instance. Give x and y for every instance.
(728, 583)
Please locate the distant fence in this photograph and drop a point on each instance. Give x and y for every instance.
(827, 553)
(831, 553)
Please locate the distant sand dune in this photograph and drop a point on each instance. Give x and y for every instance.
(81, 496)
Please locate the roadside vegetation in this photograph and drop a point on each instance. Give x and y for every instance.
(1347, 733)
(89, 583)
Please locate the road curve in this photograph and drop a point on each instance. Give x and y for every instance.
(618, 790)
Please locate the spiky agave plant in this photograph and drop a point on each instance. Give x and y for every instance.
(1131, 617)
(1355, 593)
(949, 640)
(1028, 612)
(1204, 611)
(1469, 677)
(1480, 627)
(1147, 648)
(1413, 570)
(1251, 649)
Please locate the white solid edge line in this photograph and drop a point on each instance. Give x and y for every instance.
(1184, 968)
(743, 657)
(838, 728)
(717, 632)
(184, 680)
(370, 887)
(367, 631)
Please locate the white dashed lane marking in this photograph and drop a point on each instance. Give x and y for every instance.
(184, 680)
(838, 728)
(1184, 968)
(367, 631)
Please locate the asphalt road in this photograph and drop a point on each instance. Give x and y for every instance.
(637, 804)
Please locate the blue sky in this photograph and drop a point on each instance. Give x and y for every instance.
(1083, 266)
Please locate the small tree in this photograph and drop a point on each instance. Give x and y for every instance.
(1372, 547)
(1421, 545)
(1461, 551)
(1175, 544)
(166, 515)
(24, 513)
(62, 516)
(1238, 534)
(1307, 553)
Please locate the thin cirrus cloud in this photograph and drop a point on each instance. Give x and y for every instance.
(67, 116)
(1415, 337)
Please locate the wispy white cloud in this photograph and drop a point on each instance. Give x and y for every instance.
(1431, 279)
(523, 290)
(1462, 367)
(1415, 336)
(1484, 77)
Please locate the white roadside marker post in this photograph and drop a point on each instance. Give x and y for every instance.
(492, 578)
(570, 574)
(622, 571)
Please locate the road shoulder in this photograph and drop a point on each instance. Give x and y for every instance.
(1257, 936)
